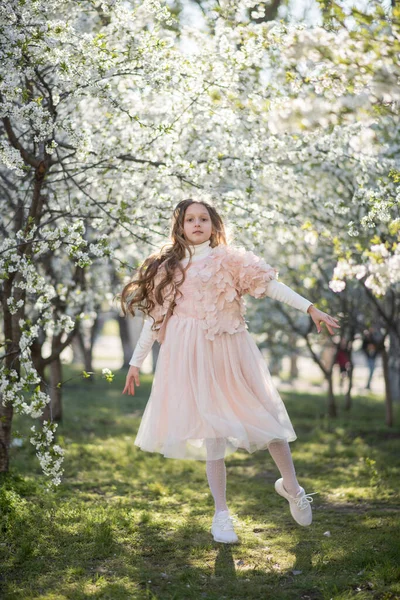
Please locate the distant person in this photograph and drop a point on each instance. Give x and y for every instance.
(371, 346)
(343, 359)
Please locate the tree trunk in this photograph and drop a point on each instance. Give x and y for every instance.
(55, 389)
(393, 359)
(36, 353)
(86, 340)
(294, 371)
(11, 350)
(125, 340)
(77, 354)
(86, 352)
(275, 364)
(95, 332)
(350, 342)
(6, 416)
(53, 410)
(348, 399)
(332, 411)
(388, 389)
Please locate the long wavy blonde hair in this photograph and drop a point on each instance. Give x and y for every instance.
(141, 293)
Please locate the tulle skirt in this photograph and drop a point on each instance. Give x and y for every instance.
(210, 398)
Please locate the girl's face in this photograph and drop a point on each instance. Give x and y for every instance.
(197, 225)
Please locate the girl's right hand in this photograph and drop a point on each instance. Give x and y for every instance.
(318, 316)
(132, 378)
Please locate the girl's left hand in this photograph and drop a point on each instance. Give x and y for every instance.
(318, 316)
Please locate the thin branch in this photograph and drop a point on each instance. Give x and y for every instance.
(105, 211)
(27, 157)
(305, 336)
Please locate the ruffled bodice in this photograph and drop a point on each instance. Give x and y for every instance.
(186, 305)
(213, 289)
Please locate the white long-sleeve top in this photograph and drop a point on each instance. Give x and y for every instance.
(276, 290)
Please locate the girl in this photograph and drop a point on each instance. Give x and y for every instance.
(212, 391)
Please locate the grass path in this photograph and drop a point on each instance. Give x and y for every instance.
(126, 524)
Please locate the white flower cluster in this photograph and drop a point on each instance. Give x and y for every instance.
(380, 268)
(159, 11)
(28, 335)
(12, 387)
(11, 157)
(100, 248)
(64, 323)
(107, 374)
(51, 456)
(13, 306)
(82, 259)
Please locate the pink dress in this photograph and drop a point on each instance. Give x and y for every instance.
(209, 397)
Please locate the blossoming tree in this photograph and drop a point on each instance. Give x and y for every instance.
(107, 122)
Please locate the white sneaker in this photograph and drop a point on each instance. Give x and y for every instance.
(299, 504)
(222, 527)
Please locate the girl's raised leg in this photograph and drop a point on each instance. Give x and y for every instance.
(280, 452)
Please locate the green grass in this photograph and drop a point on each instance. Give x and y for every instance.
(127, 524)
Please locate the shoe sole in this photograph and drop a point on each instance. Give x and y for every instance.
(224, 541)
(217, 539)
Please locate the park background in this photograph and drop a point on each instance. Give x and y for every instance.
(285, 116)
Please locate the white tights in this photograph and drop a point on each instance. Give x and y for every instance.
(216, 472)
(216, 475)
(282, 457)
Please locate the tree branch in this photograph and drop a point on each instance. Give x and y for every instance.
(27, 157)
